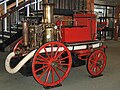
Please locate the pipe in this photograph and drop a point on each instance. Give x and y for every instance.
(48, 13)
(20, 64)
(45, 1)
(48, 20)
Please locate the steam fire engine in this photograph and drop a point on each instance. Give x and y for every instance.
(52, 47)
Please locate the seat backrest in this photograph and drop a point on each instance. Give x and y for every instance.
(80, 22)
(83, 19)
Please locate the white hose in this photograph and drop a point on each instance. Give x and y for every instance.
(20, 64)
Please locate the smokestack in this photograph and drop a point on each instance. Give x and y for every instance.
(45, 1)
(48, 12)
(48, 21)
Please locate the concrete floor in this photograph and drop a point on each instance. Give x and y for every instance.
(78, 78)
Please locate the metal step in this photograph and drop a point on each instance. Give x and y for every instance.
(16, 27)
(6, 36)
(1, 41)
(11, 31)
(7, 33)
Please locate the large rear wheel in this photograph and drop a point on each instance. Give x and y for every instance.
(49, 67)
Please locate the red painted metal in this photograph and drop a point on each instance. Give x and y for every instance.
(53, 66)
(84, 29)
(17, 45)
(60, 23)
(82, 53)
(87, 52)
(96, 63)
(101, 25)
(75, 34)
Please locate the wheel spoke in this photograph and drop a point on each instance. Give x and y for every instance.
(96, 56)
(52, 50)
(57, 51)
(63, 64)
(41, 75)
(60, 54)
(57, 73)
(62, 59)
(47, 76)
(43, 67)
(97, 69)
(100, 56)
(103, 64)
(61, 69)
(46, 53)
(93, 58)
(41, 63)
(102, 60)
(53, 79)
(92, 61)
(18, 45)
(42, 57)
(92, 67)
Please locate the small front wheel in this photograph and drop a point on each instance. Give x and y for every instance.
(96, 63)
(49, 67)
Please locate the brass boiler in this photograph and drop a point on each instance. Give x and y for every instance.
(35, 38)
(49, 31)
(25, 33)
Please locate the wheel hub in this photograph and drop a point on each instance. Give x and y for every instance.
(99, 63)
(54, 64)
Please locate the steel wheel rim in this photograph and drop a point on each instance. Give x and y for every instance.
(50, 65)
(96, 63)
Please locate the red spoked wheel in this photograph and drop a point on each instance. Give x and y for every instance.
(51, 63)
(18, 45)
(96, 63)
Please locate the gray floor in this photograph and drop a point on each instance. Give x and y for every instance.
(78, 78)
